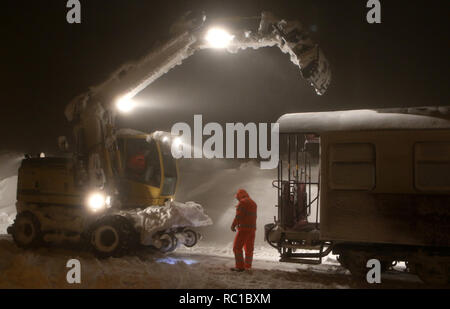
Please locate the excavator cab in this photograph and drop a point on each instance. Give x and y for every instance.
(147, 170)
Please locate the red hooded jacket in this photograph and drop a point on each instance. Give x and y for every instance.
(245, 212)
(137, 163)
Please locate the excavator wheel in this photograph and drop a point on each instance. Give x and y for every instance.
(26, 230)
(169, 242)
(112, 236)
(191, 238)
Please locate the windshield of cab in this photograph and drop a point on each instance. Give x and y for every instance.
(142, 164)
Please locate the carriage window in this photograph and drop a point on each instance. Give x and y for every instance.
(432, 166)
(352, 166)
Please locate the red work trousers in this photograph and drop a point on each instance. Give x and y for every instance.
(244, 239)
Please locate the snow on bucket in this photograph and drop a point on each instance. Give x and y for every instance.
(172, 215)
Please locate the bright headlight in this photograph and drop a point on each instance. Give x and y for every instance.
(125, 104)
(96, 201)
(218, 38)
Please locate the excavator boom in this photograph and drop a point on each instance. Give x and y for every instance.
(93, 113)
(191, 30)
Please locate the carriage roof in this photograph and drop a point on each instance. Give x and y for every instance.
(365, 120)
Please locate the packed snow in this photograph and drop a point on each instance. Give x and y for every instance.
(360, 120)
(203, 267)
(9, 164)
(172, 215)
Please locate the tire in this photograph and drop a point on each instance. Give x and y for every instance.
(26, 231)
(191, 238)
(169, 242)
(112, 236)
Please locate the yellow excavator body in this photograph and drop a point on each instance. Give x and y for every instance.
(52, 181)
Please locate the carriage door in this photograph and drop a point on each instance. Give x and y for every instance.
(298, 181)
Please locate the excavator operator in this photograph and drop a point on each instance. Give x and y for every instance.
(245, 221)
(137, 164)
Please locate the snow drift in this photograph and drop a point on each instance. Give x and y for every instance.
(359, 120)
(9, 165)
(214, 183)
(7, 202)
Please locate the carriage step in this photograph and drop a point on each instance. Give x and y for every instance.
(301, 261)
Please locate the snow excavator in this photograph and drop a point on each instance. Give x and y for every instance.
(107, 192)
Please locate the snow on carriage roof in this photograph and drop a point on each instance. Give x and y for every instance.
(360, 120)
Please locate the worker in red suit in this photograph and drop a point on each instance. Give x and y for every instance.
(245, 222)
(137, 165)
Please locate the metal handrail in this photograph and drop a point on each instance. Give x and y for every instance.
(292, 182)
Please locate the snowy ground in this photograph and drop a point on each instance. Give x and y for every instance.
(197, 268)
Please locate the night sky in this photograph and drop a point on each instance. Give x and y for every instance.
(47, 62)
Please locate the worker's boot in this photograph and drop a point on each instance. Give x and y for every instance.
(237, 269)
